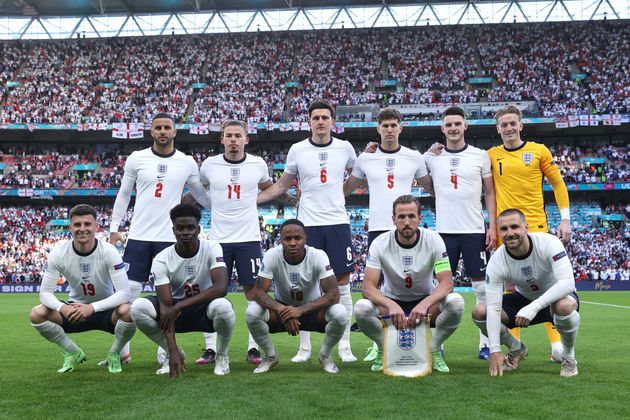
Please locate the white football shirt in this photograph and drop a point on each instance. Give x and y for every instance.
(545, 273)
(457, 181)
(187, 276)
(320, 170)
(160, 182)
(233, 192)
(98, 277)
(296, 285)
(407, 270)
(389, 175)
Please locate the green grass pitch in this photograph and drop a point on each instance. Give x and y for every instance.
(31, 388)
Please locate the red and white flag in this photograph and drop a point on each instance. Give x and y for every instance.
(562, 122)
(127, 130)
(338, 128)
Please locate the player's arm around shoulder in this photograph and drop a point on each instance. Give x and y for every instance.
(274, 191)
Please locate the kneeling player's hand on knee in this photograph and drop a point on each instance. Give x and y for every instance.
(417, 314)
(289, 312)
(497, 360)
(168, 317)
(397, 315)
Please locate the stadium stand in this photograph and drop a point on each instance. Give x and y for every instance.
(577, 67)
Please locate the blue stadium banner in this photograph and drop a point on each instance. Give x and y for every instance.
(199, 85)
(387, 83)
(107, 85)
(291, 85)
(480, 80)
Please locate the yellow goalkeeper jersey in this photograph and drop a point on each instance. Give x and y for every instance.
(518, 180)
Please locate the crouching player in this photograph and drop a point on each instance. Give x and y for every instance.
(190, 282)
(298, 272)
(538, 265)
(407, 257)
(99, 293)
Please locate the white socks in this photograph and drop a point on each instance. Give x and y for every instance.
(257, 318)
(451, 312)
(122, 334)
(479, 287)
(211, 341)
(366, 314)
(145, 316)
(55, 334)
(336, 318)
(221, 313)
(507, 339)
(211, 338)
(568, 327)
(345, 298)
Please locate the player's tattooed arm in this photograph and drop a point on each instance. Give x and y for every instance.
(261, 295)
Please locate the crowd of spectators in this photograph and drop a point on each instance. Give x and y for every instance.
(338, 66)
(245, 78)
(432, 65)
(566, 67)
(576, 165)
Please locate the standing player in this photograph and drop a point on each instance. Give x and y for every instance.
(190, 283)
(389, 172)
(159, 174)
(460, 174)
(299, 273)
(407, 257)
(234, 179)
(320, 164)
(538, 265)
(99, 293)
(518, 168)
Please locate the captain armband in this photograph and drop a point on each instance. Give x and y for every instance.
(442, 265)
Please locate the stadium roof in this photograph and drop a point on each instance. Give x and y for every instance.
(93, 7)
(58, 19)
(102, 7)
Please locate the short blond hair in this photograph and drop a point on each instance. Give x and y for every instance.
(508, 110)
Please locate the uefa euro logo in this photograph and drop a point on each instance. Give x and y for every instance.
(407, 338)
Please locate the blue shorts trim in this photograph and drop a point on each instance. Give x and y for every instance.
(472, 248)
(193, 318)
(336, 242)
(246, 257)
(101, 321)
(514, 302)
(139, 255)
